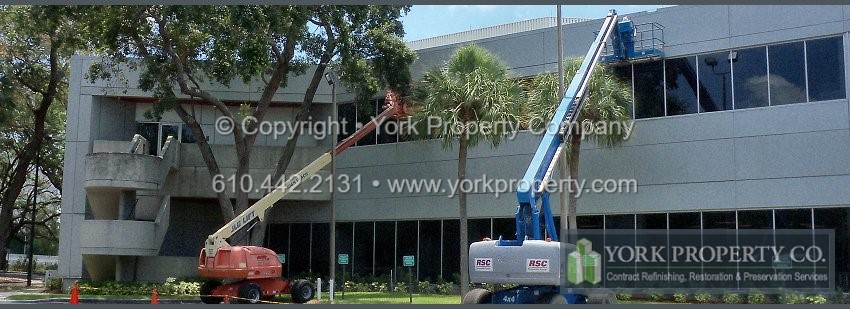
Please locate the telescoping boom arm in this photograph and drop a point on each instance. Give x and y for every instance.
(257, 211)
(531, 189)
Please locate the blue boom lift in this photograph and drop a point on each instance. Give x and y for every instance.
(534, 263)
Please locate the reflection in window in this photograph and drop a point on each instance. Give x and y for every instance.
(715, 82)
(787, 73)
(150, 131)
(649, 89)
(825, 60)
(750, 66)
(681, 86)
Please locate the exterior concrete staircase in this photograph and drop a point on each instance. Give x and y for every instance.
(127, 193)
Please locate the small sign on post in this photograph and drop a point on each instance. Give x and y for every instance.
(281, 258)
(342, 259)
(409, 261)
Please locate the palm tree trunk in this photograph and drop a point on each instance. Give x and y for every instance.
(464, 237)
(575, 149)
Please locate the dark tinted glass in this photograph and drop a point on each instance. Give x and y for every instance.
(649, 89)
(384, 247)
(681, 86)
(278, 240)
(619, 222)
(478, 229)
(451, 248)
(429, 250)
(838, 220)
(684, 220)
(364, 115)
(793, 218)
(715, 82)
(718, 220)
(651, 221)
(755, 219)
(624, 74)
(150, 131)
(299, 249)
(787, 73)
(347, 114)
(321, 248)
(344, 245)
(362, 258)
(750, 66)
(825, 58)
(590, 222)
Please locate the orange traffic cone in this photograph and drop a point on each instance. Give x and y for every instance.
(154, 297)
(75, 295)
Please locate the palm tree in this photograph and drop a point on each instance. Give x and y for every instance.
(607, 102)
(472, 87)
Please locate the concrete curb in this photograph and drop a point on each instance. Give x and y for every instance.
(107, 301)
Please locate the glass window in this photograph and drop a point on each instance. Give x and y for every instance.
(451, 249)
(825, 60)
(321, 249)
(715, 82)
(613, 222)
(344, 244)
(681, 86)
(150, 131)
(363, 241)
(169, 130)
(478, 229)
(755, 219)
(651, 221)
(429, 250)
(794, 218)
(347, 113)
(405, 245)
(787, 73)
(186, 134)
(365, 114)
(590, 222)
(387, 131)
(719, 220)
(684, 220)
(299, 249)
(278, 240)
(384, 247)
(504, 227)
(838, 220)
(649, 89)
(750, 77)
(623, 73)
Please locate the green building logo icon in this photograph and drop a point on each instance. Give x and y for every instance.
(584, 264)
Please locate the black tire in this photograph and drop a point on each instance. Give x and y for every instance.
(601, 296)
(478, 296)
(207, 289)
(249, 293)
(552, 298)
(302, 291)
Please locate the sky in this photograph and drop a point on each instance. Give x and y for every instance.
(425, 21)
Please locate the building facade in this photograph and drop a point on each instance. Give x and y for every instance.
(744, 124)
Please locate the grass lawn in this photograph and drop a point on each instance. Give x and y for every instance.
(391, 298)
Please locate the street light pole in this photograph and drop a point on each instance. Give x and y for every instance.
(330, 76)
(563, 195)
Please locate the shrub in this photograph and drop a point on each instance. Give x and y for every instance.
(731, 298)
(702, 298)
(54, 284)
(400, 287)
(816, 299)
(792, 298)
(680, 297)
(624, 296)
(378, 287)
(445, 288)
(755, 298)
(655, 296)
(424, 287)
